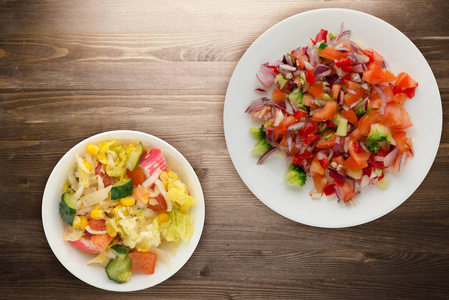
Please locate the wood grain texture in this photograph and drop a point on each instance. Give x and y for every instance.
(71, 69)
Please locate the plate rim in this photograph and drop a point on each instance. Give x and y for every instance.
(247, 52)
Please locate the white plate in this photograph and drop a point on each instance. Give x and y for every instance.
(267, 181)
(75, 260)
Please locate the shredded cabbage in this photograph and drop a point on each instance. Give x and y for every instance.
(177, 191)
(136, 230)
(178, 226)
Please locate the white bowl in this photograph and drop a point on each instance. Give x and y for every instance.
(75, 260)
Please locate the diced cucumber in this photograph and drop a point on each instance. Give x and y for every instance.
(342, 129)
(119, 270)
(134, 157)
(356, 174)
(121, 250)
(67, 208)
(122, 189)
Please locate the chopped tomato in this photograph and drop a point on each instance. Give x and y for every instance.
(329, 189)
(298, 158)
(350, 116)
(366, 121)
(325, 113)
(332, 54)
(310, 77)
(307, 100)
(321, 36)
(405, 84)
(319, 181)
(358, 92)
(348, 192)
(375, 102)
(279, 95)
(336, 88)
(388, 76)
(158, 204)
(327, 139)
(307, 133)
(97, 225)
(143, 261)
(357, 153)
(285, 123)
(107, 181)
(352, 164)
(404, 81)
(400, 99)
(337, 180)
(338, 159)
(396, 117)
(400, 138)
(300, 114)
(344, 64)
(316, 168)
(324, 162)
(374, 74)
(137, 176)
(101, 241)
(370, 54)
(275, 69)
(316, 90)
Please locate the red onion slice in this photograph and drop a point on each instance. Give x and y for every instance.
(266, 75)
(337, 174)
(266, 155)
(257, 105)
(296, 126)
(391, 158)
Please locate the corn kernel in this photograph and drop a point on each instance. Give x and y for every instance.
(65, 187)
(130, 148)
(110, 230)
(163, 218)
(128, 201)
(88, 165)
(83, 222)
(97, 214)
(92, 149)
(76, 222)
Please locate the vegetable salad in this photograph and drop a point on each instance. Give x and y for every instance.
(122, 202)
(337, 112)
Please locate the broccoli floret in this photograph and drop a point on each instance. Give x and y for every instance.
(259, 132)
(322, 46)
(262, 145)
(372, 146)
(295, 175)
(360, 110)
(377, 133)
(295, 98)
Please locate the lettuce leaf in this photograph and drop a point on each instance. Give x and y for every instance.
(179, 226)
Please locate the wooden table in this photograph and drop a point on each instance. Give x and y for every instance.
(71, 69)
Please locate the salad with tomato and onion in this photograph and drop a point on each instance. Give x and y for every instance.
(337, 112)
(122, 202)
